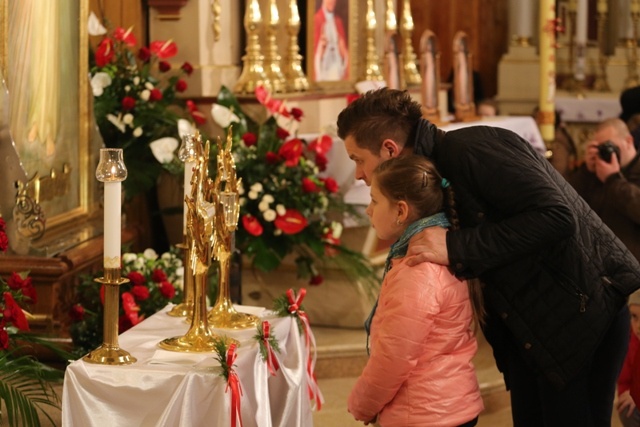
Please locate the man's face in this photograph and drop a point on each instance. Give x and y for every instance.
(365, 160)
(329, 5)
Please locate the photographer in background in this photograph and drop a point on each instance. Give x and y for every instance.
(609, 181)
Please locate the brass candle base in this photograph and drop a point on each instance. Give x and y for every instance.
(197, 340)
(109, 355)
(225, 316)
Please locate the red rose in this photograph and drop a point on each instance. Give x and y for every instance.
(140, 293)
(76, 313)
(291, 152)
(252, 225)
(321, 162)
(136, 278)
(308, 186)
(181, 85)
(128, 103)
(249, 139)
(164, 66)
(163, 50)
(292, 222)
(29, 291)
(125, 36)
(198, 117)
(155, 95)
(15, 281)
(144, 54)
(187, 68)
(191, 106)
(158, 275)
(104, 52)
(282, 133)
(4, 338)
(297, 113)
(331, 185)
(167, 290)
(271, 158)
(4, 241)
(3, 224)
(316, 280)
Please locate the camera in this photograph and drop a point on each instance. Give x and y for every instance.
(606, 149)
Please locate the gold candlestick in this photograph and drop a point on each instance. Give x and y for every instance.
(201, 240)
(600, 84)
(296, 80)
(223, 314)
(632, 48)
(410, 71)
(253, 73)
(372, 67)
(390, 23)
(273, 59)
(570, 83)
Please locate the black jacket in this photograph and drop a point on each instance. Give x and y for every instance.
(554, 274)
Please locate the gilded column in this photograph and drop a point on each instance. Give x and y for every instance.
(411, 74)
(546, 110)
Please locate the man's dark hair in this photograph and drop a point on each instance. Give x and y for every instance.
(378, 115)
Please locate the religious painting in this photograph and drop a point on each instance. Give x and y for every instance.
(331, 43)
(43, 62)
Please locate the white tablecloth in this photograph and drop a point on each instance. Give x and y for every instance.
(171, 389)
(588, 110)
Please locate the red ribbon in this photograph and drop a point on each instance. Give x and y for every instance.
(233, 382)
(272, 361)
(310, 342)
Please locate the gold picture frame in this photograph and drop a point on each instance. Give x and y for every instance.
(43, 57)
(340, 72)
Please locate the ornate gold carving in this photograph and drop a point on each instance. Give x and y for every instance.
(27, 213)
(216, 12)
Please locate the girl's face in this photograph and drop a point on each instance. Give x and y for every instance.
(383, 214)
(635, 319)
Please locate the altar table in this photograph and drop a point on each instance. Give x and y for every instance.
(171, 389)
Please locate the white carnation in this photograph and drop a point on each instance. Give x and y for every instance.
(269, 215)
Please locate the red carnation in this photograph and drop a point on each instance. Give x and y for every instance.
(249, 139)
(136, 278)
(331, 185)
(128, 103)
(144, 54)
(4, 337)
(164, 66)
(163, 50)
(297, 113)
(187, 68)
(155, 95)
(291, 152)
(29, 291)
(292, 222)
(252, 225)
(158, 275)
(76, 313)
(140, 293)
(316, 280)
(104, 52)
(15, 281)
(181, 85)
(308, 186)
(271, 158)
(167, 290)
(125, 36)
(321, 162)
(282, 133)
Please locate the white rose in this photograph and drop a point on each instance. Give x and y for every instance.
(149, 85)
(136, 81)
(263, 206)
(150, 254)
(223, 116)
(268, 198)
(145, 94)
(163, 149)
(128, 257)
(269, 215)
(253, 195)
(137, 132)
(280, 209)
(127, 119)
(257, 187)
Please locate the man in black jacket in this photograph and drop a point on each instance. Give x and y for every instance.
(556, 278)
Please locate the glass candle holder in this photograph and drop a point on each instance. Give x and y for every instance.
(111, 167)
(231, 208)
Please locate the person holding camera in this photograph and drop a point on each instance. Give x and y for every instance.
(609, 181)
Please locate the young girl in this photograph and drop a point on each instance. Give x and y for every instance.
(419, 372)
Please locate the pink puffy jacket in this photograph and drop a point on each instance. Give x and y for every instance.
(420, 371)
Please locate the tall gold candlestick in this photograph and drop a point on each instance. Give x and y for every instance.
(372, 67)
(111, 171)
(410, 71)
(632, 48)
(272, 61)
(253, 72)
(296, 80)
(600, 84)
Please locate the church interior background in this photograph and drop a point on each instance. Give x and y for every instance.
(528, 60)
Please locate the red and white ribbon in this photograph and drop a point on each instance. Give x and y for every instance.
(272, 361)
(295, 302)
(233, 383)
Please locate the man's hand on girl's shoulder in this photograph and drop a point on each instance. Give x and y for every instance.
(429, 245)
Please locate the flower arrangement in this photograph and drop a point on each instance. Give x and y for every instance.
(154, 281)
(285, 198)
(136, 103)
(25, 385)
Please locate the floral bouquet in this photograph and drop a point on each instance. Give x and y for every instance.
(136, 104)
(285, 197)
(24, 381)
(154, 281)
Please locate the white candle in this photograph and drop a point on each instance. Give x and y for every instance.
(522, 14)
(188, 174)
(112, 230)
(582, 21)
